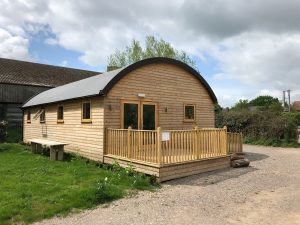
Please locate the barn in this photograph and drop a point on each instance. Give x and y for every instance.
(20, 80)
(157, 113)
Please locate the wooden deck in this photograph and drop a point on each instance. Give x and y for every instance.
(172, 154)
(172, 171)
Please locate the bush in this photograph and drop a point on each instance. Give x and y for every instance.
(3, 131)
(265, 127)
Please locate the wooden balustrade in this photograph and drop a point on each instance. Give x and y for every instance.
(170, 146)
(235, 142)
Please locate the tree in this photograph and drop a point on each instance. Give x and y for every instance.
(266, 102)
(153, 48)
(241, 105)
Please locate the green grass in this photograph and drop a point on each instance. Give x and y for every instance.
(271, 142)
(32, 187)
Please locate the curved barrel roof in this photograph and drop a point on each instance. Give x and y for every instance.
(102, 83)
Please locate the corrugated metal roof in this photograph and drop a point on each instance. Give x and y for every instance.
(87, 87)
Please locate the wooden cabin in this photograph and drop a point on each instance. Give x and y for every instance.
(97, 116)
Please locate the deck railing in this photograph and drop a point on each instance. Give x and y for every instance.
(168, 146)
(235, 142)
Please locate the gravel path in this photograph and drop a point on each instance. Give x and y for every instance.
(267, 192)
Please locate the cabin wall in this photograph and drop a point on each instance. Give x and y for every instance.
(169, 86)
(85, 139)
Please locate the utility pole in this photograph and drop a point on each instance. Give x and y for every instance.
(283, 100)
(289, 100)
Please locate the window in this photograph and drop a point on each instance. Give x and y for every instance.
(28, 116)
(60, 114)
(189, 112)
(86, 111)
(43, 116)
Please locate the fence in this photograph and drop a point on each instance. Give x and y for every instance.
(235, 142)
(168, 146)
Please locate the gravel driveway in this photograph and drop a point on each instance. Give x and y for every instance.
(267, 192)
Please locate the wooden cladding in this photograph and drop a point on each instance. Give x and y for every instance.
(168, 146)
(170, 88)
(86, 139)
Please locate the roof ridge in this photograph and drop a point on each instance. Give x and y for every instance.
(50, 65)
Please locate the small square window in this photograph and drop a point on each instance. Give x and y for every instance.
(43, 116)
(60, 113)
(189, 112)
(86, 111)
(28, 116)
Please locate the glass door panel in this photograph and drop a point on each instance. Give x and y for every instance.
(149, 114)
(131, 115)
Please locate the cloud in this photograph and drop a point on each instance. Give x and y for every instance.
(254, 42)
(14, 47)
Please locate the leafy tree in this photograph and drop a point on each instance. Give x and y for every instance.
(153, 48)
(241, 105)
(266, 102)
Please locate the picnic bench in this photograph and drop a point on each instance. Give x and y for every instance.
(56, 148)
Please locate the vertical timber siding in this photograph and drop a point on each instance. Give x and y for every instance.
(85, 139)
(169, 86)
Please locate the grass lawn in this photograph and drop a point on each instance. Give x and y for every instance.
(32, 187)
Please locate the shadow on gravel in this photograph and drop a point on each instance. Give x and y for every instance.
(210, 178)
(255, 156)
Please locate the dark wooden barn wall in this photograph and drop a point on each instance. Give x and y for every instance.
(12, 98)
(12, 93)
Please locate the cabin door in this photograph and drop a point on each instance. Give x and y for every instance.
(139, 115)
(149, 116)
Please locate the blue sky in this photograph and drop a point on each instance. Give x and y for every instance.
(243, 49)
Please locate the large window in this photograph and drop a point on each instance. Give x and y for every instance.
(60, 114)
(28, 116)
(42, 116)
(86, 111)
(189, 112)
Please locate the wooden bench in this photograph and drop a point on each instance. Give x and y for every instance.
(56, 148)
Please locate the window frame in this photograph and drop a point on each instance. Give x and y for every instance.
(136, 102)
(184, 115)
(28, 115)
(63, 112)
(44, 112)
(140, 104)
(90, 119)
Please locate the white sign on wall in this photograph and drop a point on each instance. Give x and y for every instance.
(165, 136)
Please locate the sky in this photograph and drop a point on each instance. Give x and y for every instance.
(242, 48)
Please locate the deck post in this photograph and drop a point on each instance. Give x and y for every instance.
(197, 150)
(226, 149)
(159, 146)
(241, 142)
(129, 148)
